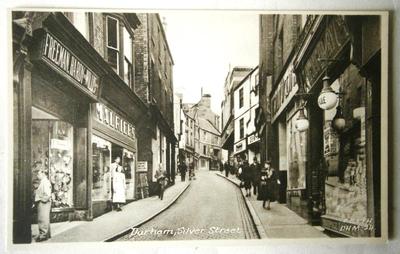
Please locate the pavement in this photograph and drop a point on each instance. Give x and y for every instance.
(280, 221)
(211, 208)
(113, 224)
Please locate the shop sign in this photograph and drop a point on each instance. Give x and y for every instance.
(240, 146)
(283, 94)
(59, 144)
(141, 166)
(60, 58)
(331, 42)
(111, 119)
(253, 138)
(346, 228)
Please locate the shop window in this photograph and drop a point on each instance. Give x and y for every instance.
(241, 128)
(101, 161)
(296, 154)
(240, 97)
(52, 151)
(113, 43)
(346, 181)
(128, 66)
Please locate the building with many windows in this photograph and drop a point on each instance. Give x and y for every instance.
(245, 94)
(233, 78)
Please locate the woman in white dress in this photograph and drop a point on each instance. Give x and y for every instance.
(119, 188)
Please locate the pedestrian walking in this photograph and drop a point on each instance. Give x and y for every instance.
(182, 170)
(191, 171)
(119, 184)
(268, 185)
(161, 181)
(43, 204)
(227, 168)
(256, 170)
(246, 176)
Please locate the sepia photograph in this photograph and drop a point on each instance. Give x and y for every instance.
(141, 126)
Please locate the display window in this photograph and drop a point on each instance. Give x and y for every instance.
(128, 165)
(101, 169)
(345, 186)
(296, 153)
(52, 151)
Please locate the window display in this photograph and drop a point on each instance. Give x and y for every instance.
(52, 151)
(101, 169)
(346, 191)
(296, 154)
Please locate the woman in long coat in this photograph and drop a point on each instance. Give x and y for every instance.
(119, 186)
(268, 185)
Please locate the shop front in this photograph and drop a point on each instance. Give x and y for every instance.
(290, 159)
(112, 136)
(63, 88)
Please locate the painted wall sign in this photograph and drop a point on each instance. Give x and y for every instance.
(283, 94)
(60, 58)
(111, 119)
(331, 42)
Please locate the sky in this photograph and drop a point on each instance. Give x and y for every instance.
(204, 45)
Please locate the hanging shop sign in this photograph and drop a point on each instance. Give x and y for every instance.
(284, 93)
(330, 44)
(60, 58)
(253, 138)
(108, 117)
(239, 146)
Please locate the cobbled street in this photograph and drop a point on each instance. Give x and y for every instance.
(212, 208)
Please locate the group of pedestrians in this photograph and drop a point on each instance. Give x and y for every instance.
(183, 168)
(263, 180)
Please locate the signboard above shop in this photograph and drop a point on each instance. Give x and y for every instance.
(111, 119)
(63, 60)
(284, 93)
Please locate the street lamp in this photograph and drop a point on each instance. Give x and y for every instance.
(302, 122)
(327, 99)
(338, 121)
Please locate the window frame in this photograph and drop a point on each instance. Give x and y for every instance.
(117, 50)
(241, 98)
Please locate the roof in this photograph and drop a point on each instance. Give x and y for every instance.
(207, 126)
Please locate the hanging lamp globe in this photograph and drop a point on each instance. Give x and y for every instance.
(327, 99)
(302, 123)
(338, 121)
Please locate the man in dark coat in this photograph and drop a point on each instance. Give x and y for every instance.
(227, 168)
(256, 170)
(182, 170)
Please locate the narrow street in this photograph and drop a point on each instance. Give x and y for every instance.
(212, 208)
